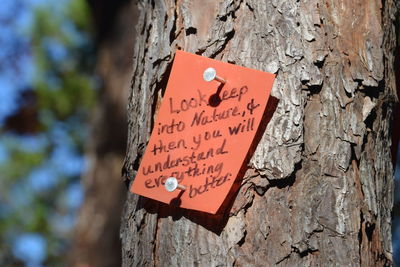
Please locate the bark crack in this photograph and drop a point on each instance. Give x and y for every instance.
(228, 36)
(287, 181)
(191, 30)
(172, 36)
(155, 247)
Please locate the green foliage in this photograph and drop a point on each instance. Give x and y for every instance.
(76, 96)
(20, 162)
(63, 79)
(79, 13)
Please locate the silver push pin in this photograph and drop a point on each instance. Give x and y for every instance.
(211, 74)
(171, 184)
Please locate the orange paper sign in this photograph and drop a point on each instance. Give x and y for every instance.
(203, 132)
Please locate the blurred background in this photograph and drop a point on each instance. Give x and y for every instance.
(65, 70)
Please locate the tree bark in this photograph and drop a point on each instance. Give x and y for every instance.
(319, 188)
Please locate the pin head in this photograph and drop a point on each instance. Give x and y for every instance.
(209, 74)
(171, 184)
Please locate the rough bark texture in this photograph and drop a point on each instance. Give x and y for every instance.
(319, 188)
(96, 241)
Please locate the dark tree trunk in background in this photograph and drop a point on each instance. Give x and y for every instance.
(96, 241)
(319, 188)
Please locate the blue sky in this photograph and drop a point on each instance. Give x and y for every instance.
(30, 248)
(17, 74)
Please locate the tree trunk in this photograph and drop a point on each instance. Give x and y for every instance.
(96, 241)
(319, 188)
